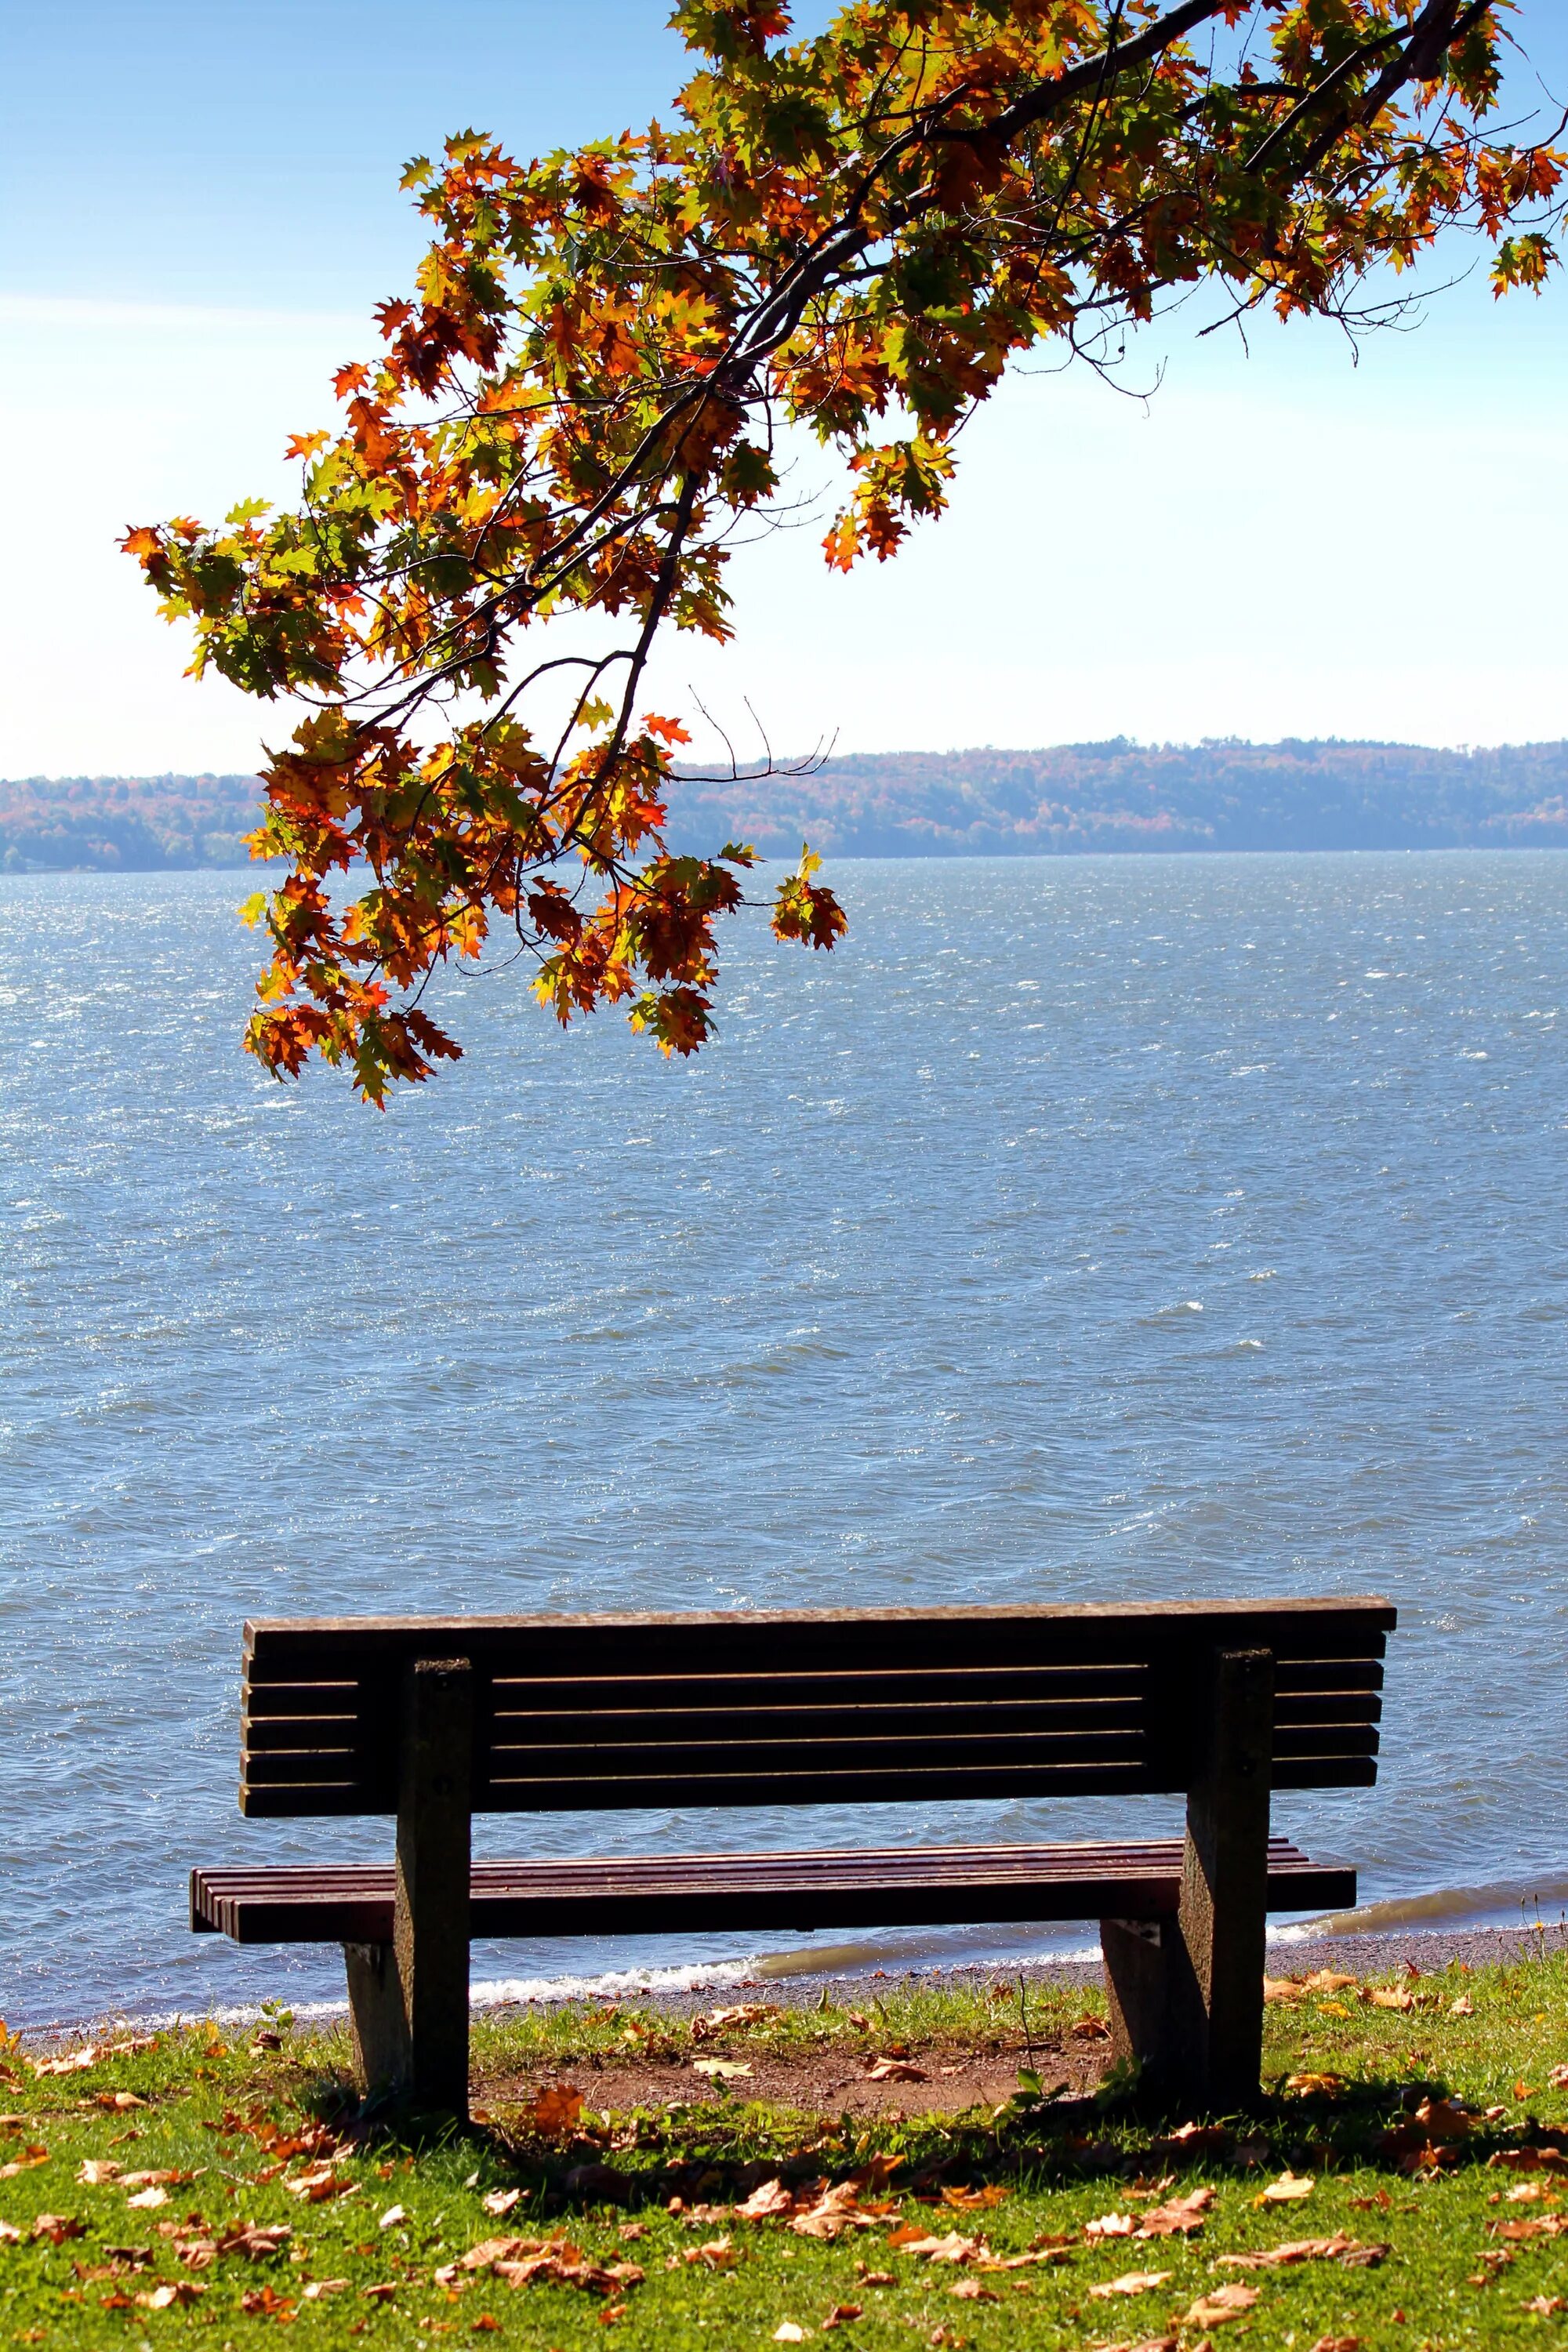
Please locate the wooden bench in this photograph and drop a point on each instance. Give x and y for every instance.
(433, 1720)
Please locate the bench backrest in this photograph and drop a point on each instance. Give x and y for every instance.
(810, 1708)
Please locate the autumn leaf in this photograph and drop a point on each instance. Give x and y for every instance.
(1288, 2189)
(721, 2070)
(1131, 2283)
(557, 2109)
(1220, 2307)
(500, 2201)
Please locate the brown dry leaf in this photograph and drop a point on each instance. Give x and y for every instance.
(29, 2161)
(746, 2013)
(911, 2240)
(1337, 2249)
(722, 2070)
(787, 2332)
(1090, 2029)
(861, 2024)
(9, 2235)
(148, 2199)
(319, 2182)
(1220, 2306)
(1525, 2159)
(266, 2303)
(969, 2200)
(1329, 1980)
(1179, 2218)
(1558, 2078)
(557, 2109)
(320, 2287)
(257, 2241)
(837, 2209)
(1129, 2282)
(715, 2255)
(771, 2198)
(1316, 2087)
(971, 2291)
(840, 2314)
(990, 2262)
(160, 2298)
(501, 2201)
(163, 2178)
(1112, 2225)
(1281, 1989)
(897, 2069)
(1391, 1996)
(59, 2227)
(95, 2170)
(1522, 2091)
(1544, 2305)
(1288, 2189)
(382, 2294)
(1463, 2007)
(75, 2061)
(1337, 2344)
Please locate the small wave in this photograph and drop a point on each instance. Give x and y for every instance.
(1506, 1903)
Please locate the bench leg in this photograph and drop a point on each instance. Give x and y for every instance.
(1136, 1960)
(409, 2000)
(1215, 1944)
(377, 2020)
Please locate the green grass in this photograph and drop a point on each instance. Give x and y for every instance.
(224, 2116)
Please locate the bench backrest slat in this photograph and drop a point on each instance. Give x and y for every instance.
(813, 1706)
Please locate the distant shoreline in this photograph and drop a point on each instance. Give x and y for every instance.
(1067, 800)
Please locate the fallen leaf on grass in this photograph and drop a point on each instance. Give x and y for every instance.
(557, 2109)
(1129, 2282)
(485, 2325)
(59, 2227)
(840, 2314)
(1288, 2189)
(148, 2199)
(969, 2200)
(913, 2240)
(266, 2303)
(836, 2209)
(715, 2255)
(1281, 1989)
(771, 2198)
(257, 2241)
(1219, 2306)
(787, 2332)
(1112, 2225)
(320, 2287)
(1316, 2087)
(1525, 2159)
(1391, 1996)
(75, 2061)
(1558, 2078)
(117, 2099)
(501, 2201)
(319, 2182)
(96, 2170)
(1337, 2249)
(971, 2291)
(1544, 2305)
(1463, 2007)
(722, 2070)
(1090, 2029)
(897, 2069)
(382, 2294)
(1329, 1980)
(29, 2161)
(160, 2298)
(746, 2012)
(1337, 2344)
(9, 2235)
(1180, 2218)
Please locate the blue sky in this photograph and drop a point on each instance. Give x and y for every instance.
(198, 205)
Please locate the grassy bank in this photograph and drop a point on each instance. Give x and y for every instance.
(624, 2175)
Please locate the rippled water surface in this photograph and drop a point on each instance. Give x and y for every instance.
(1083, 1230)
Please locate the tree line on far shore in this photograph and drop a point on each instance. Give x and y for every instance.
(1071, 799)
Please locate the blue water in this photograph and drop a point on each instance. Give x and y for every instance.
(1082, 1229)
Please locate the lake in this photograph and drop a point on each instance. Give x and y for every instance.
(1082, 1229)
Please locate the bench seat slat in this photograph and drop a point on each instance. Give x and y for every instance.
(902, 1886)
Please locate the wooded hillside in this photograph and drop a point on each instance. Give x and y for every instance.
(1073, 798)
